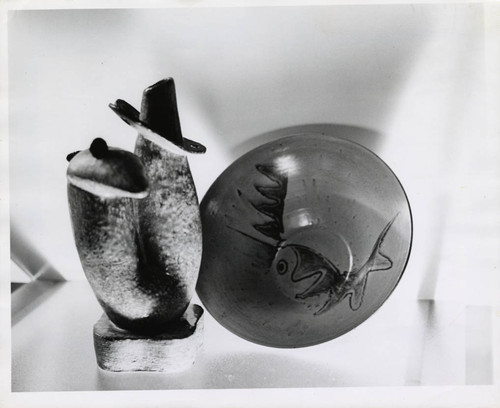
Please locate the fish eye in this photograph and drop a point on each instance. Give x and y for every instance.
(282, 267)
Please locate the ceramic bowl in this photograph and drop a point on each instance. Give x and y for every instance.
(303, 239)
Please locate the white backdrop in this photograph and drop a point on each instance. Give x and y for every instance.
(405, 80)
(418, 84)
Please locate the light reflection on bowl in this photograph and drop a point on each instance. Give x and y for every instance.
(303, 239)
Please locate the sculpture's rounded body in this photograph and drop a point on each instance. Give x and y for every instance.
(136, 217)
(140, 252)
(105, 231)
(169, 222)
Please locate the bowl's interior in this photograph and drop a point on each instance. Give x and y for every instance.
(304, 238)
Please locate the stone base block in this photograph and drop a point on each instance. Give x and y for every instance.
(172, 351)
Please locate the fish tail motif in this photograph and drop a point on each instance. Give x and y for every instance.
(377, 261)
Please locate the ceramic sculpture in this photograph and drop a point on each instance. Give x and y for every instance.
(303, 239)
(137, 229)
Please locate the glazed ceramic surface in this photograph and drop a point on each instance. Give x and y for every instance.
(136, 218)
(303, 239)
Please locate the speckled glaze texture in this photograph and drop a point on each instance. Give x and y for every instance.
(169, 224)
(138, 284)
(136, 217)
(141, 255)
(107, 243)
(137, 228)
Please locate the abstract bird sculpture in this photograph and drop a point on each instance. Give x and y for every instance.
(137, 229)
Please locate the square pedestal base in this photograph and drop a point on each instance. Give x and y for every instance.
(172, 351)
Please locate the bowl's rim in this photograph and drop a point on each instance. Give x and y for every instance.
(328, 137)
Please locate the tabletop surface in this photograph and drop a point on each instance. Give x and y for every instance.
(402, 344)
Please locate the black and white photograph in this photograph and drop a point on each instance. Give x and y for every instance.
(274, 204)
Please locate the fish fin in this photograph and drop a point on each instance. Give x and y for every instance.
(357, 294)
(271, 200)
(241, 224)
(378, 261)
(381, 262)
(312, 289)
(325, 306)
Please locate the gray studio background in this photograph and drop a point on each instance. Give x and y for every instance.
(407, 81)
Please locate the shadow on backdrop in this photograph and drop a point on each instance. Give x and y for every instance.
(44, 278)
(251, 69)
(29, 259)
(368, 138)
